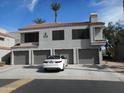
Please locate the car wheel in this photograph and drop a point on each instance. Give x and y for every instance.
(62, 69)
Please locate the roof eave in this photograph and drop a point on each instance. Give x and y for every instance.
(66, 25)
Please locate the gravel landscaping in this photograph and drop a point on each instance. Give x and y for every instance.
(117, 66)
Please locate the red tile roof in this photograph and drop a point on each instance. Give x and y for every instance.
(5, 48)
(25, 45)
(5, 35)
(53, 25)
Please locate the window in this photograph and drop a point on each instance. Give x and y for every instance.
(63, 57)
(97, 33)
(54, 57)
(97, 29)
(80, 34)
(1, 39)
(58, 35)
(31, 37)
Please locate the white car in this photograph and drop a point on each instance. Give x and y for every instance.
(55, 62)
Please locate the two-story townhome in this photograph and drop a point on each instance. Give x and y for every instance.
(79, 42)
(6, 42)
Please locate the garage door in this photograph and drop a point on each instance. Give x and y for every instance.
(68, 53)
(88, 56)
(40, 56)
(21, 58)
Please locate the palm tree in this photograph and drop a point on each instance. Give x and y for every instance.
(38, 20)
(55, 7)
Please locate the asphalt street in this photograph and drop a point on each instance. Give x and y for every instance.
(71, 86)
(4, 82)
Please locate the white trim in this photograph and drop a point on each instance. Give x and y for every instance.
(74, 56)
(100, 56)
(77, 53)
(32, 57)
(29, 57)
(12, 58)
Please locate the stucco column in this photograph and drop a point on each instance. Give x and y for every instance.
(77, 52)
(100, 56)
(30, 57)
(12, 58)
(52, 51)
(75, 56)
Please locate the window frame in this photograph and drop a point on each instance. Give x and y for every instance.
(2, 39)
(75, 34)
(26, 37)
(58, 35)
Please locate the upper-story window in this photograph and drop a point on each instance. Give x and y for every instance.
(1, 39)
(31, 37)
(80, 34)
(97, 33)
(58, 35)
(97, 28)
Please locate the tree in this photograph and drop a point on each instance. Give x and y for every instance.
(38, 20)
(111, 33)
(55, 7)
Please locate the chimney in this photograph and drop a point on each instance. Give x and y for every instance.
(93, 17)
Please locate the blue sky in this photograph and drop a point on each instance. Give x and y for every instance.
(18, 13)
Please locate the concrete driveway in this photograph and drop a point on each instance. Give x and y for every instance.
(74, 72)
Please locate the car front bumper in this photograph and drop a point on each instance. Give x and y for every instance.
(53, 66)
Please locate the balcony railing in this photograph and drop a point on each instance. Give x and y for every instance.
(98, 42)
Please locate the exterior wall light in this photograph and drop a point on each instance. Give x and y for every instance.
(45, 35)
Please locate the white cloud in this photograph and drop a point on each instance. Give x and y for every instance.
(110, 11)
(30, 4)
(102, 2)
(114, 14)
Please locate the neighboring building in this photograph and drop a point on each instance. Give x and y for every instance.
(6, 42)
(15, 35)
(80, 42)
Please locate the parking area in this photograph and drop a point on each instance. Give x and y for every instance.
(74, 72)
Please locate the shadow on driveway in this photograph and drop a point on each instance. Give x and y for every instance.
(98, 68)
(95, 66)
(32, 67)
(40, 69)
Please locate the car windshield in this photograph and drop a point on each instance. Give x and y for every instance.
(54, 57)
